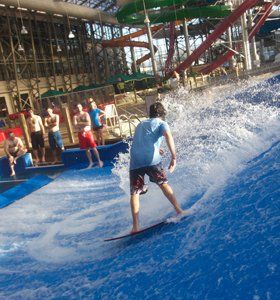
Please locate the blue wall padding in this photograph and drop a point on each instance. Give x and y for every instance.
(3, 200)
(23, 189)
(22, 163)
(107, 153)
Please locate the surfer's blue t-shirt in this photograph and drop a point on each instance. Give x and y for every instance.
(94, 116)
(146, 143)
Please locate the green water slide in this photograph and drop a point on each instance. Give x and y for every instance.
(133, 12)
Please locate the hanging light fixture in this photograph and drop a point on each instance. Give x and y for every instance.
(58, 49)
(23, 30)
(71, 35)
(20, 48)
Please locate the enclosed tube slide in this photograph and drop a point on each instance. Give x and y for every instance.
(131, 13)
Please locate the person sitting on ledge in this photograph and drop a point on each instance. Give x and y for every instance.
(14, 148)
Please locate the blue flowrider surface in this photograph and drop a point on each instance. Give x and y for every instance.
(23, 189)
(227, 178)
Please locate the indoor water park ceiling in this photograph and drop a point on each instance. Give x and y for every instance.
(104, 5)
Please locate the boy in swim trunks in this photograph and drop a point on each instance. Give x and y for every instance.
(55, 140)
(145, 158)
(86, 140)
(95, 115)
(14, 148)
(37, 132)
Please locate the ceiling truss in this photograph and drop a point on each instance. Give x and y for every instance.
(104, 5)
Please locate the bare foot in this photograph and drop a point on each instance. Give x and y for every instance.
(90, 166)
(179, 211)
(182, 214)
(12, 174)
(100, 164)
(134, 230)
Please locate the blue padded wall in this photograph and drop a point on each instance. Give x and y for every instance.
(23, 189)
(22, 163)
(107, 153)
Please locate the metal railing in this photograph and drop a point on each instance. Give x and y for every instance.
(129, 121)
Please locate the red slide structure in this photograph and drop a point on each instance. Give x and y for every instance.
(263, 14)
(219, 30)
(125, 41)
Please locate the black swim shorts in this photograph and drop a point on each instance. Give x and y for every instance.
(156, 174)
(96, 128)
(37, 140)
(14, 154)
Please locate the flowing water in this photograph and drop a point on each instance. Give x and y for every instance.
(227, 178)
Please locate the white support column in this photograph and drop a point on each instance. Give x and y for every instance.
(186, 36)
(246, 45)
(134, 65)
(262, 50)
(229, 40)
(151, 45)
(187, 43)
(256, 58)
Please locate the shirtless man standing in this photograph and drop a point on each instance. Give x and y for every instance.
(14, 148)
(86, 140)
(55, 140)
(37, 132)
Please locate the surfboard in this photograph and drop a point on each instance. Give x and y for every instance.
(168, 220)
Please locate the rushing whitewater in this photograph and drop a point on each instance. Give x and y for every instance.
(227, 177)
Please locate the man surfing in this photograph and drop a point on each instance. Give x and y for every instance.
(145, 158)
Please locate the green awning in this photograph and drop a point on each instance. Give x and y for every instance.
(52, 93)
(125, 78)
(81, 88)
(140, 76)
(95, 86)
